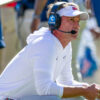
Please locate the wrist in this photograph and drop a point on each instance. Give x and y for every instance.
(36, 16)
(84, 91)
(74, 91)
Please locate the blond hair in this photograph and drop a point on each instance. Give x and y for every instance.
(60, 7)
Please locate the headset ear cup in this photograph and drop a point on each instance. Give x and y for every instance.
(58, 21)
(54, 21)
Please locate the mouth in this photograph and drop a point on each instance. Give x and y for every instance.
(75, 35)
(76, 30)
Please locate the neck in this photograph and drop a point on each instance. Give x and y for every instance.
(62, 37)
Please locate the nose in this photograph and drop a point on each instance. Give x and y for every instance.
(77, 25)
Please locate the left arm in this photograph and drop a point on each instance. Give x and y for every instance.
(39, 5)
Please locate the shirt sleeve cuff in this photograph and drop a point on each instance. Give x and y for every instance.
(75, 83)
(61, 92)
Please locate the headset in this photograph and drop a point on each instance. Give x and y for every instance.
(54, 20)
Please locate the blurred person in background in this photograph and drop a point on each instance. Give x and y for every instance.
(8, 34)
(87, 53)
(94, 9)
(96, 31)
(39, 15)
(2, 43)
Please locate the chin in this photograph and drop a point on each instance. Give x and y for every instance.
(74, 37)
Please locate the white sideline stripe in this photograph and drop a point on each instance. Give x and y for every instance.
(5, 1)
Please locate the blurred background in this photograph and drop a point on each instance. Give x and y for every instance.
(19, 18)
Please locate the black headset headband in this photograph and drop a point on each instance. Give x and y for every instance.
(56, 7)
(54, 20)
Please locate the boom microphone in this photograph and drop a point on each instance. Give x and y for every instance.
(72, 31)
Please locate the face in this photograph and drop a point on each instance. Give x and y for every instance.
(69, 24)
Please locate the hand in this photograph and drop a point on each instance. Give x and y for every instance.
(34, 25)
(91, 92)
(95, 33)
(98, 86)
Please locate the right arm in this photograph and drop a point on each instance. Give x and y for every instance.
(43, 57)
(72, 91)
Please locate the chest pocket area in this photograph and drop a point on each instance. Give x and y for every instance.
(60, 62)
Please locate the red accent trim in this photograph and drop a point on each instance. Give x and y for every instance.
(74, 8)
(11, 4)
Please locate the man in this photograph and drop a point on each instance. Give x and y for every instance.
(43, 67)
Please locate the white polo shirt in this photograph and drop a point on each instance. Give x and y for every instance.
(43, 67)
